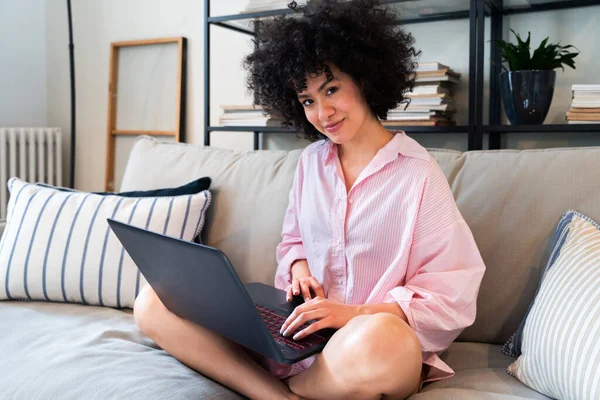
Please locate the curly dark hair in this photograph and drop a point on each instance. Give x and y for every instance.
(361, 37)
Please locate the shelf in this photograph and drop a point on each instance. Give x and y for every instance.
(412, 11)
(527, 6)
(407, 129)
(541, 128)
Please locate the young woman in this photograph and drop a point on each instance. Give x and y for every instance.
(372, 238)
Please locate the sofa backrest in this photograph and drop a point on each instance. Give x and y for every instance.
(249, 190)
(511, 200)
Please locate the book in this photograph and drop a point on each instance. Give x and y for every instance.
(582, 116)
(441, 107)
(586, 87)
(442, 96)
(430, 66)
(243, 115)
(583, 122)
(584, 110)
(586, 95)
(439, 72)
(430, 101)
(429, 89)
(585, 104)
(241, 107)
(418, 123)
(445, 78)
(251, 122)
(417, 113)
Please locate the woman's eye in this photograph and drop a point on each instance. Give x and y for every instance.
(331, 90)
(307, 102)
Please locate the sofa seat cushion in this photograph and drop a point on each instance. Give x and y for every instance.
(480, 374)
(68, 351)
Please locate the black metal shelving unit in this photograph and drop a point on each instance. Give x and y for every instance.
(476, 12)
(498, 9)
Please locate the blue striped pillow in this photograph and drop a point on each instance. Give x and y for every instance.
(57, 245)
(513, 346)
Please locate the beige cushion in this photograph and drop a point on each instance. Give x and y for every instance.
(512, 201)
(250, 195)
(480, 375)
(448, 160)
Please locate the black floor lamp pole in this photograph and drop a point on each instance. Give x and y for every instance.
(72, 59)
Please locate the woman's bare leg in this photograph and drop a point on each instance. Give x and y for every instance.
(205, 351)
(372, 357)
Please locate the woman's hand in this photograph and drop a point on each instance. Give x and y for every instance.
(303, 282)
(326, 314)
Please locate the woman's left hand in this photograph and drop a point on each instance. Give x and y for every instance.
(326, 313)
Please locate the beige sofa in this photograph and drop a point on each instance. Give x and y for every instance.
(512, 201)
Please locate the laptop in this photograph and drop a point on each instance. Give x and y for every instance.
(198, 283)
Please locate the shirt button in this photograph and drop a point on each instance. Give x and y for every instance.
(350, 201)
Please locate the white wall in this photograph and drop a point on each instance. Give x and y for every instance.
(97, 23)
(22, 63)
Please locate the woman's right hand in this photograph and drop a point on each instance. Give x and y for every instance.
(303, 282)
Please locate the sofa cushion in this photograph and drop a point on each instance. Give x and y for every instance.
(57, 245)
(480, 375)
(193, 187)
(561, 338)
(250, 192)
(512, 200)
(69, 351)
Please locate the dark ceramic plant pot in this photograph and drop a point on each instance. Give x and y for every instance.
(527, 95)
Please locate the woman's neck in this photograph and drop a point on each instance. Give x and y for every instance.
(365, 144)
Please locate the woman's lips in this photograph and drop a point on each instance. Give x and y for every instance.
(334, 128)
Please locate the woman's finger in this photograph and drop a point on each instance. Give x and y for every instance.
(296, 287)
(318, 289)
(305, 286)
(303, 308)
(288, 294)
(312, 328)
(303, 318)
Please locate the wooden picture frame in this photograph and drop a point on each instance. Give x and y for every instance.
(112, 132)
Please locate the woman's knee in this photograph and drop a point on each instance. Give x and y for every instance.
(381, 342)
(145, 308)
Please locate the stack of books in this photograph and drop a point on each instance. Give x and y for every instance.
(247, 115)
(431, 102)
(585, 105)
(268, 5)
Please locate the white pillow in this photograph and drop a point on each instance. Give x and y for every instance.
(57, 245)
(561, 338)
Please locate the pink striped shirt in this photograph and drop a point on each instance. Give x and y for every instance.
(396, 236)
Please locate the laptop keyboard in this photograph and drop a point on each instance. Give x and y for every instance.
(274, 322)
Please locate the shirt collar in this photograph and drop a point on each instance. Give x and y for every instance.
(399, 144)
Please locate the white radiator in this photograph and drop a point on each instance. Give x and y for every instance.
(32, 154)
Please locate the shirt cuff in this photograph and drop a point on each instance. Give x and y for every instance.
(403, 297)
(283, 276)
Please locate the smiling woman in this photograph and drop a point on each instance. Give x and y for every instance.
(372, 238)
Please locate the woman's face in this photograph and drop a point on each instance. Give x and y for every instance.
(335, 107)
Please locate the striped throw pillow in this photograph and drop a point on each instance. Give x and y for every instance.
(561, 336)
(57, 245)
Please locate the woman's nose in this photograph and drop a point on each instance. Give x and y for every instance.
(325, 112)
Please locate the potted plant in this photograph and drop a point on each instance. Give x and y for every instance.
(527, 85)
